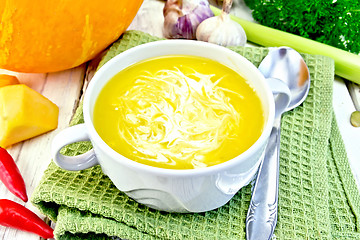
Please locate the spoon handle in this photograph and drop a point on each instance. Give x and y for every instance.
(262, 214)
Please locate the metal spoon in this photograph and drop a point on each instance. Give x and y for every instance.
(287, 65)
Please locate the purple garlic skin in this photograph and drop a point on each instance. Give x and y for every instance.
(183, 17)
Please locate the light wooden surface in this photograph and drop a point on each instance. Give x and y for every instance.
(65, 89)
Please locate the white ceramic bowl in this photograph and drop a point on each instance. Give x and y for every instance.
(192, 190)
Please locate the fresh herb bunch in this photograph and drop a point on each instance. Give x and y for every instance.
(333, 22)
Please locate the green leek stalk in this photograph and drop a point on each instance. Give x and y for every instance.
(347, 65)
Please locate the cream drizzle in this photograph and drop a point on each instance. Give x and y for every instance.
(171, 116)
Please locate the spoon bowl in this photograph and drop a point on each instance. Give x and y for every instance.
(286, 65)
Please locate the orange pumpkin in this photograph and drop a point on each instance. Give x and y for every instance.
(48, 36)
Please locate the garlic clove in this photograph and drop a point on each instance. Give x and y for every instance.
(221, 30)
(182, 17)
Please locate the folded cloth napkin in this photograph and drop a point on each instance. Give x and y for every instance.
(318, 197)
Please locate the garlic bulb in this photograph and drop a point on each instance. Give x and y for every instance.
(182, 17)
(221, 29)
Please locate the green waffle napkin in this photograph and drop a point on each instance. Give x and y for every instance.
(318, 197)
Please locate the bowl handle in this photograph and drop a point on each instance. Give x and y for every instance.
(67, 136)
